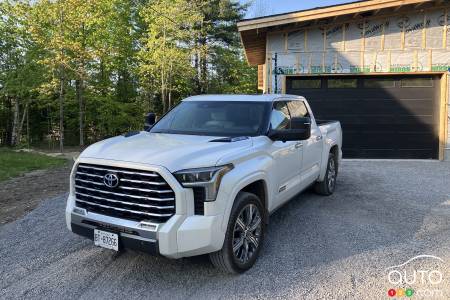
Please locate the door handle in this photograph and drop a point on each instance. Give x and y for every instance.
(318, 138)
(298, 145)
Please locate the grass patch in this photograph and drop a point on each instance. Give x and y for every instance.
(14, 164)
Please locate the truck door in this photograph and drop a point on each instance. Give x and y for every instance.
(287, 156)
(312, 147)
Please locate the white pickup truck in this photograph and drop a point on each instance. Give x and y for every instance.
(204, 178)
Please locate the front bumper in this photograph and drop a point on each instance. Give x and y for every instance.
(182, 235)
(129, 242)
(194, 235)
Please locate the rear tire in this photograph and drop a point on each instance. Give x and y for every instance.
(244, 236)
(328, 185)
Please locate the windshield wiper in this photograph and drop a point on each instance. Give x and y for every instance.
(230, 139)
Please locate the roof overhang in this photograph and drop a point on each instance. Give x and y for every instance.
(253, 31)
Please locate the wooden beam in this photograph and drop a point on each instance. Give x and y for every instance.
(443, 124)
(326, 12)
(418, 5)
(397, 8)
(376, 12)
(255, 47)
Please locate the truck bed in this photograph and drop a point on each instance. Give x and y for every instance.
(324, 122)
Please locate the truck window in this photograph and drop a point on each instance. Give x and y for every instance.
(280, 118)
(298, 109)
(215, 118)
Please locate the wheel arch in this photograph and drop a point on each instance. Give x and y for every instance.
(259, 188)
(255, 183)
(333, 148)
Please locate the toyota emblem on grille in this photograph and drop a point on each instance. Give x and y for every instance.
(111, 180)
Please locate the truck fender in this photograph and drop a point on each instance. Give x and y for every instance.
(237, 187)
(325, 154)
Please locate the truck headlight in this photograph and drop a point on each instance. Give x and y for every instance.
(207, 178)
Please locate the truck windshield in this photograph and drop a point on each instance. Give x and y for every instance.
(215, 118)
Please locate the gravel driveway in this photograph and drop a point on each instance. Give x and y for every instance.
(382, 214)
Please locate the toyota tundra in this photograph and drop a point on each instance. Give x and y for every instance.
(204, 178)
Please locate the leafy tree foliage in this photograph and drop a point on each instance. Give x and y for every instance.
(76, 71)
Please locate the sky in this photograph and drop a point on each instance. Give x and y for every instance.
(269, 7)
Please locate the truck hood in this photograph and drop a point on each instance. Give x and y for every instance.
(173, 151)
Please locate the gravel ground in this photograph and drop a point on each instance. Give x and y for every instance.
(22, 194)
(382, 214)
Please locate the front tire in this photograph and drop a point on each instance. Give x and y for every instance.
(328, 185)
(244, 235)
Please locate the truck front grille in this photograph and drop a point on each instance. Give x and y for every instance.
(139, 195)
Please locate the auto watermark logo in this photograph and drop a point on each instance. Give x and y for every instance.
(420, 277)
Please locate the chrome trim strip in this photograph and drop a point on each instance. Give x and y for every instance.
(145, 182)
(123, 179)
(129, 225)
(124, 202)
(125, 187)
(144, 190)
(127, 210)
(87, 174)
(81, 165)
(125, 195)
(89, 181)
(136, 237)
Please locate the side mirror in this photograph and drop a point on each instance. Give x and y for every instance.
(300, 130)
(150, 120)
(301, 123)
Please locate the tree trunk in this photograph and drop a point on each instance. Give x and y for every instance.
(8, 123)
(163, 81)
(103, 79)
(170, 99)
(15, 123)
(163, 91)
(203, 66)
(79, 86)
(22, 121)
(28, 129)
(169, 86)
(61, 110)
(197, 70)
(61, 82)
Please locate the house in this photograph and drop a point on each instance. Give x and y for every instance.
(378, 66)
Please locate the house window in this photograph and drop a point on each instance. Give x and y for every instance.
(379, 83)
(306, 84)
(344, 83)
(417, 82)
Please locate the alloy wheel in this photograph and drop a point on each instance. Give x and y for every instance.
(331, 176)
(247, 233)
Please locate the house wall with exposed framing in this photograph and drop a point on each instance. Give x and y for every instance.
(415, 42)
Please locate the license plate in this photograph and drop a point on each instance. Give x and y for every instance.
(106, 240)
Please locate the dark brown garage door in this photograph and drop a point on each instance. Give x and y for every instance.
(381, 117)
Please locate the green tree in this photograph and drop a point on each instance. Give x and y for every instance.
(19, 74)
(217, 30)
(82, 70)
(166, 46)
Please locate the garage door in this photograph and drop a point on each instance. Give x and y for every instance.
(382, 117)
